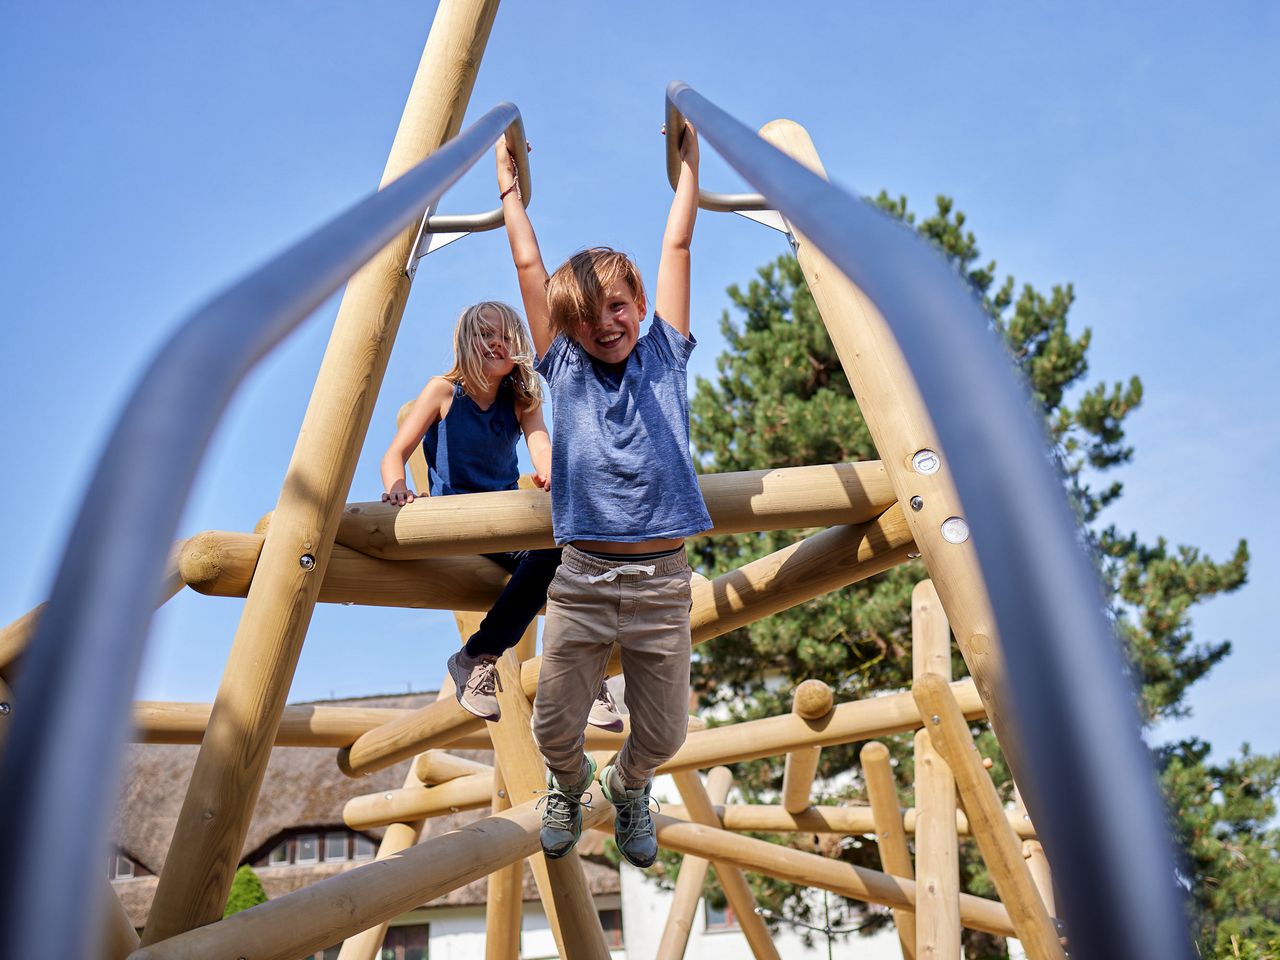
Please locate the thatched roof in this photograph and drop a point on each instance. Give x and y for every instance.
(302, 789)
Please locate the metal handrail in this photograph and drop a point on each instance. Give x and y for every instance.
(490, 219)
(718, 202)
(60, 768)
(1099, 812)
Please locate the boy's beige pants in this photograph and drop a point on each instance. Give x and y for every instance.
(591, 605)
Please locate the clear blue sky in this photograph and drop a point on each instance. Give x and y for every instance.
(154, 151)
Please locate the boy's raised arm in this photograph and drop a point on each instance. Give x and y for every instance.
(672, 300)
(530, 270)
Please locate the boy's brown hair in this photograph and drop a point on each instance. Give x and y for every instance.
(575, 291)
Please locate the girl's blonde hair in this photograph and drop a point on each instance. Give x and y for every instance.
(576, 290)
(468, 344)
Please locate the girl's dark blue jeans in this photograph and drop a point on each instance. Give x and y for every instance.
(521, 599)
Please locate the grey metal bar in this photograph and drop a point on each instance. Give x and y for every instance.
(1097, 807)
(490, 219)
(718, 202)
(72, 703)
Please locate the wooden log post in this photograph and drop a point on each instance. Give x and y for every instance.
(811, 870)
(1000, 849)
(895, 858)
(937, 846)
(116, 936)
(308, 920)
(811, 701)
(820, 495)
(398, 837)
(701, 803)
(562, 884)
(228, 773)
(811, 567)
(418, 801)
(688, 892)
(436, 766)
(904, 435)
(504, 902)
(1037, 862)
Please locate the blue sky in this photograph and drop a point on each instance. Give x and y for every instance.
(155, 151)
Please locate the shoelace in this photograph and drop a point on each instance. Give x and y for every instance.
(611, 574)
(605, 697)
(634, 818)
(486, 682)
(560, 805)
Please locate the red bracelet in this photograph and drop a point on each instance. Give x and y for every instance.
(515, 185)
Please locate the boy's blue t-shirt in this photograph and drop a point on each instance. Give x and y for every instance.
(621, 469)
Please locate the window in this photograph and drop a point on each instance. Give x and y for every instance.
(405, 943)
(119, 867)
(364, 848)
(335, 846)
(720, 918)
(611, 921)
(279, 855)
(308, 848)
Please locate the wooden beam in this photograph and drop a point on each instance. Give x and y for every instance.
(900, 426)
(816, 565)
(156, 721)
(700, 801)
(419, 801)
(852, 820)
(937, 847)
(308, 920)
(215, 814)
(504, 899)
(1000, 849)
(436, 766)
(811, 870)
(772, 736)
(116, 936)
(562, 884)
(221, 564)
(812, 701)
(891, 839)
(688, 893)
(780, 499)
(398, 837)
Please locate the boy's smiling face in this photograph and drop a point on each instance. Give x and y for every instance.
(613, 336)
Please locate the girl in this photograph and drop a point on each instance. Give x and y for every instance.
(468, 422)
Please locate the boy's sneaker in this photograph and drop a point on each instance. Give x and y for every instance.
(562, 815)
(475, 684)
(633, 825)
(604, 711)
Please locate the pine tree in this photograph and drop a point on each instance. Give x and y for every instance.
(780, 398)
(246, 891)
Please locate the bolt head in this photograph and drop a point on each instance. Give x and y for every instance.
(935, 719)
(307, 562)
(5, 709)
(917, 503)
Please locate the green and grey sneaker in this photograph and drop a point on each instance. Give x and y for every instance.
(562, 815)
(475, 684)
(633, 825)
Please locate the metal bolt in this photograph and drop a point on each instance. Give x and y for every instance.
(913, 555)
(5, 709)
(502, 794)
(917, 503)
(926, 462)
(307, 562)
(935, 719)
(386, 796)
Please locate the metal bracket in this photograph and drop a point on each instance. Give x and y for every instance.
(428, 242)
(773, 220)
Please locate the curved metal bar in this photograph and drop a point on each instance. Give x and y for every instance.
(60, 769)
(1102, 817)
(491, 219)
(718, 202)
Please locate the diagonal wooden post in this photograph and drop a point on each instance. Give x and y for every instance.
(1001, 851)
(700, 801)
(228, 773)
(908, 445)
(937, 844)
(895, 858)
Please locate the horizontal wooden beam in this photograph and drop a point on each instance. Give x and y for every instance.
(848, 722)
(851, 820)
(156, 721)
(809, 568)
(781, 499)
(812, 870)
(221, 564)
(471, 792)
(324, 913)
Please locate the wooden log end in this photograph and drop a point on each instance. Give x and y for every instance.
(813, 700)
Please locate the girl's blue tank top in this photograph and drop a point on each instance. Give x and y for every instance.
(471, 450)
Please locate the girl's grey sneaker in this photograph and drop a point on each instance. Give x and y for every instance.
(562, 813)
(633, 825)
(604, 711)
(475, 684)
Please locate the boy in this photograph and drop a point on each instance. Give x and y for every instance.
(624, 496)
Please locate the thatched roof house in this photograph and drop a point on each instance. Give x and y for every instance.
(297, 835)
